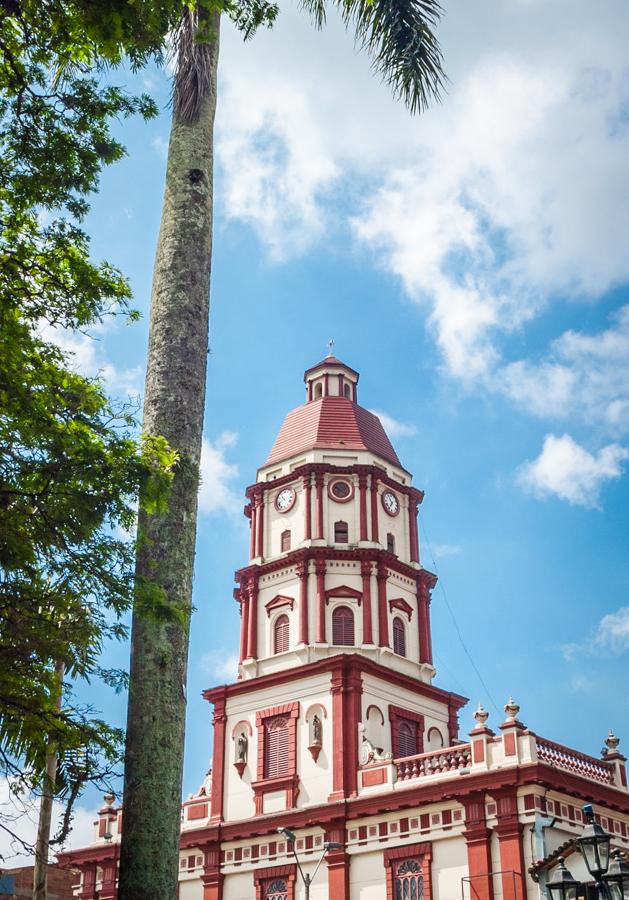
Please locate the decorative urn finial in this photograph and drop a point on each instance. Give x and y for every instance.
(109, 798)
(511, 708)
(611, 742)
(480, 716)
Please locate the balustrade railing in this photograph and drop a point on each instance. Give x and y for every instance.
(573, 761)
(439, 762)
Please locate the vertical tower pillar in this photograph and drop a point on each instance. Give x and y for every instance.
(365, 571)
(307, 507)
(425, 583)
(259, 508)
(374, 509)
(320, 635)
(412, 528)
(383, 619)
(302, 572)
(219, 721)
(212, 877)
(477, 837)
(509, 831)
(346, 690)
(338, 862)
(362, 489)
(319, 506)
(252, 619)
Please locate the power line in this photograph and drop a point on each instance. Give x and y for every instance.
(456, 624)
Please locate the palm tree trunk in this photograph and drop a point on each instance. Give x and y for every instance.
(173, 407)
(40, 869)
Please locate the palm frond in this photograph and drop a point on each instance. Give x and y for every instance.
(195, 43)
(400, 37)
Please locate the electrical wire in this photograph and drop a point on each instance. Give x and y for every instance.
(456, 624)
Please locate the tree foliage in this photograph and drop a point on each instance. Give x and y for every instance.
(71, 466)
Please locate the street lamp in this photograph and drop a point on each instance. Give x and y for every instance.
(327, 845)
(563, 886)
(594, 845)
(617, 878)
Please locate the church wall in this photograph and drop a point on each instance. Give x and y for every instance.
(275, 522)
(238, 886)
(366, 876)
(449, 866)
(191, 889)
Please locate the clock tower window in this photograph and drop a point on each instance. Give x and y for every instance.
(281, 635)
(285, 541)
(399, 637)
(390, 543)
(343, 627)
(341, 533)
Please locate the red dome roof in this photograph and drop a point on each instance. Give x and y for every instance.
(332, 423)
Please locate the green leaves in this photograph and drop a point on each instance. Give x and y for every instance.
(399, 35)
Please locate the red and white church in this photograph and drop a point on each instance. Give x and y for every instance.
(334, 728)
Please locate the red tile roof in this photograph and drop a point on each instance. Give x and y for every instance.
(332, 423)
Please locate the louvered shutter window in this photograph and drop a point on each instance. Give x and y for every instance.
(276, 747)
(399, 637)
(341, 533)
(285, 540)
(343, 627)
(391, 543)
(280, 637)
(406, 739)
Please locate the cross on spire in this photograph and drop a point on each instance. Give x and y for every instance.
(331, 343)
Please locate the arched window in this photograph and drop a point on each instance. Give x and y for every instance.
(280, 635)
(347, 391)
(276, 747)
(285, 539)
(318, 391)
(391, 542)
(341, 533)
(277, 889)
(409, 883)
(343, 627)
(399, 637)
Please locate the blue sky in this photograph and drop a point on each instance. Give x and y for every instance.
(472, 264)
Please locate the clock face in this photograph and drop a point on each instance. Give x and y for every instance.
(391, 503)
(285, 500)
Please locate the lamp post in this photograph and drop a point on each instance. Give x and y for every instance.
(612, 880)
(306, 877)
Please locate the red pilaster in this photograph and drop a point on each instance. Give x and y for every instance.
(253, 533)
(365, 571)
(88, 887)
(259, 503)
(326, 384)
(244, 622)
(509, 831)
(309, 390)
(477, 837)
(319, 506)
(340, 385)
(383, 621)
(219, 722)
(252, 619)
(346, 689)
(412, 528)
(338, 863)
(320, 635)
(302, 572)
(307, 507)
(425, 583)
(374, 509)
(212, 878)
(109, 886)
(362, 488)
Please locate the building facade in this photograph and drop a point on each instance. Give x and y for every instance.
(334, 728)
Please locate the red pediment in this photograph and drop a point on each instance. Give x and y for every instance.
(402, 605)
(278, 601)
(344, 591)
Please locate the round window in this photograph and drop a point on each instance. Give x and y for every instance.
(340, 490)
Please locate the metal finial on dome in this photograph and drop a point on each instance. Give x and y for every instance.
(331, 344)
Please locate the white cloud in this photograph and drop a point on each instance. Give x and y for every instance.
(217, 475)
(220, 664)
(160, 145)
(564, 468)
(441, 550)
(613, 631)
(19, 815)
(393, 427)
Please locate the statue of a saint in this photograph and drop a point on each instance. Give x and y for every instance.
(317, 732)
(241, 748)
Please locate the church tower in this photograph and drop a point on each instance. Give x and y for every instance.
(336, 661)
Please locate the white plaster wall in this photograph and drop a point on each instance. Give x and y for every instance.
(191, 889)
(495, 865)
(238, 886)
(276, 522)
(449, 866)
(286, 583)
(349, 512)
(366, 876)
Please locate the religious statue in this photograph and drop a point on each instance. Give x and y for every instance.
(241, 748)
(316, 730)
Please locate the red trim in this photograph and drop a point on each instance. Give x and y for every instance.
(402, 605)
(374, 508)
(244, 624)
(345, 592)
(320, 567)
(277, 602)
(509, 831)
(365, 571)
(261, 878)
(412, 528)
(307, 507)
(252, 620)
(219, 722)
(338, 863)
(292, 502)
(425, 584)
(302, 572)
(362, 485)
(319, 505)
(253, 531)
(422, 852)
(320, 468)
(259, 503)
(346, 690)
(333, 496)
(212, 878)
(290, 782)
(383, 619)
